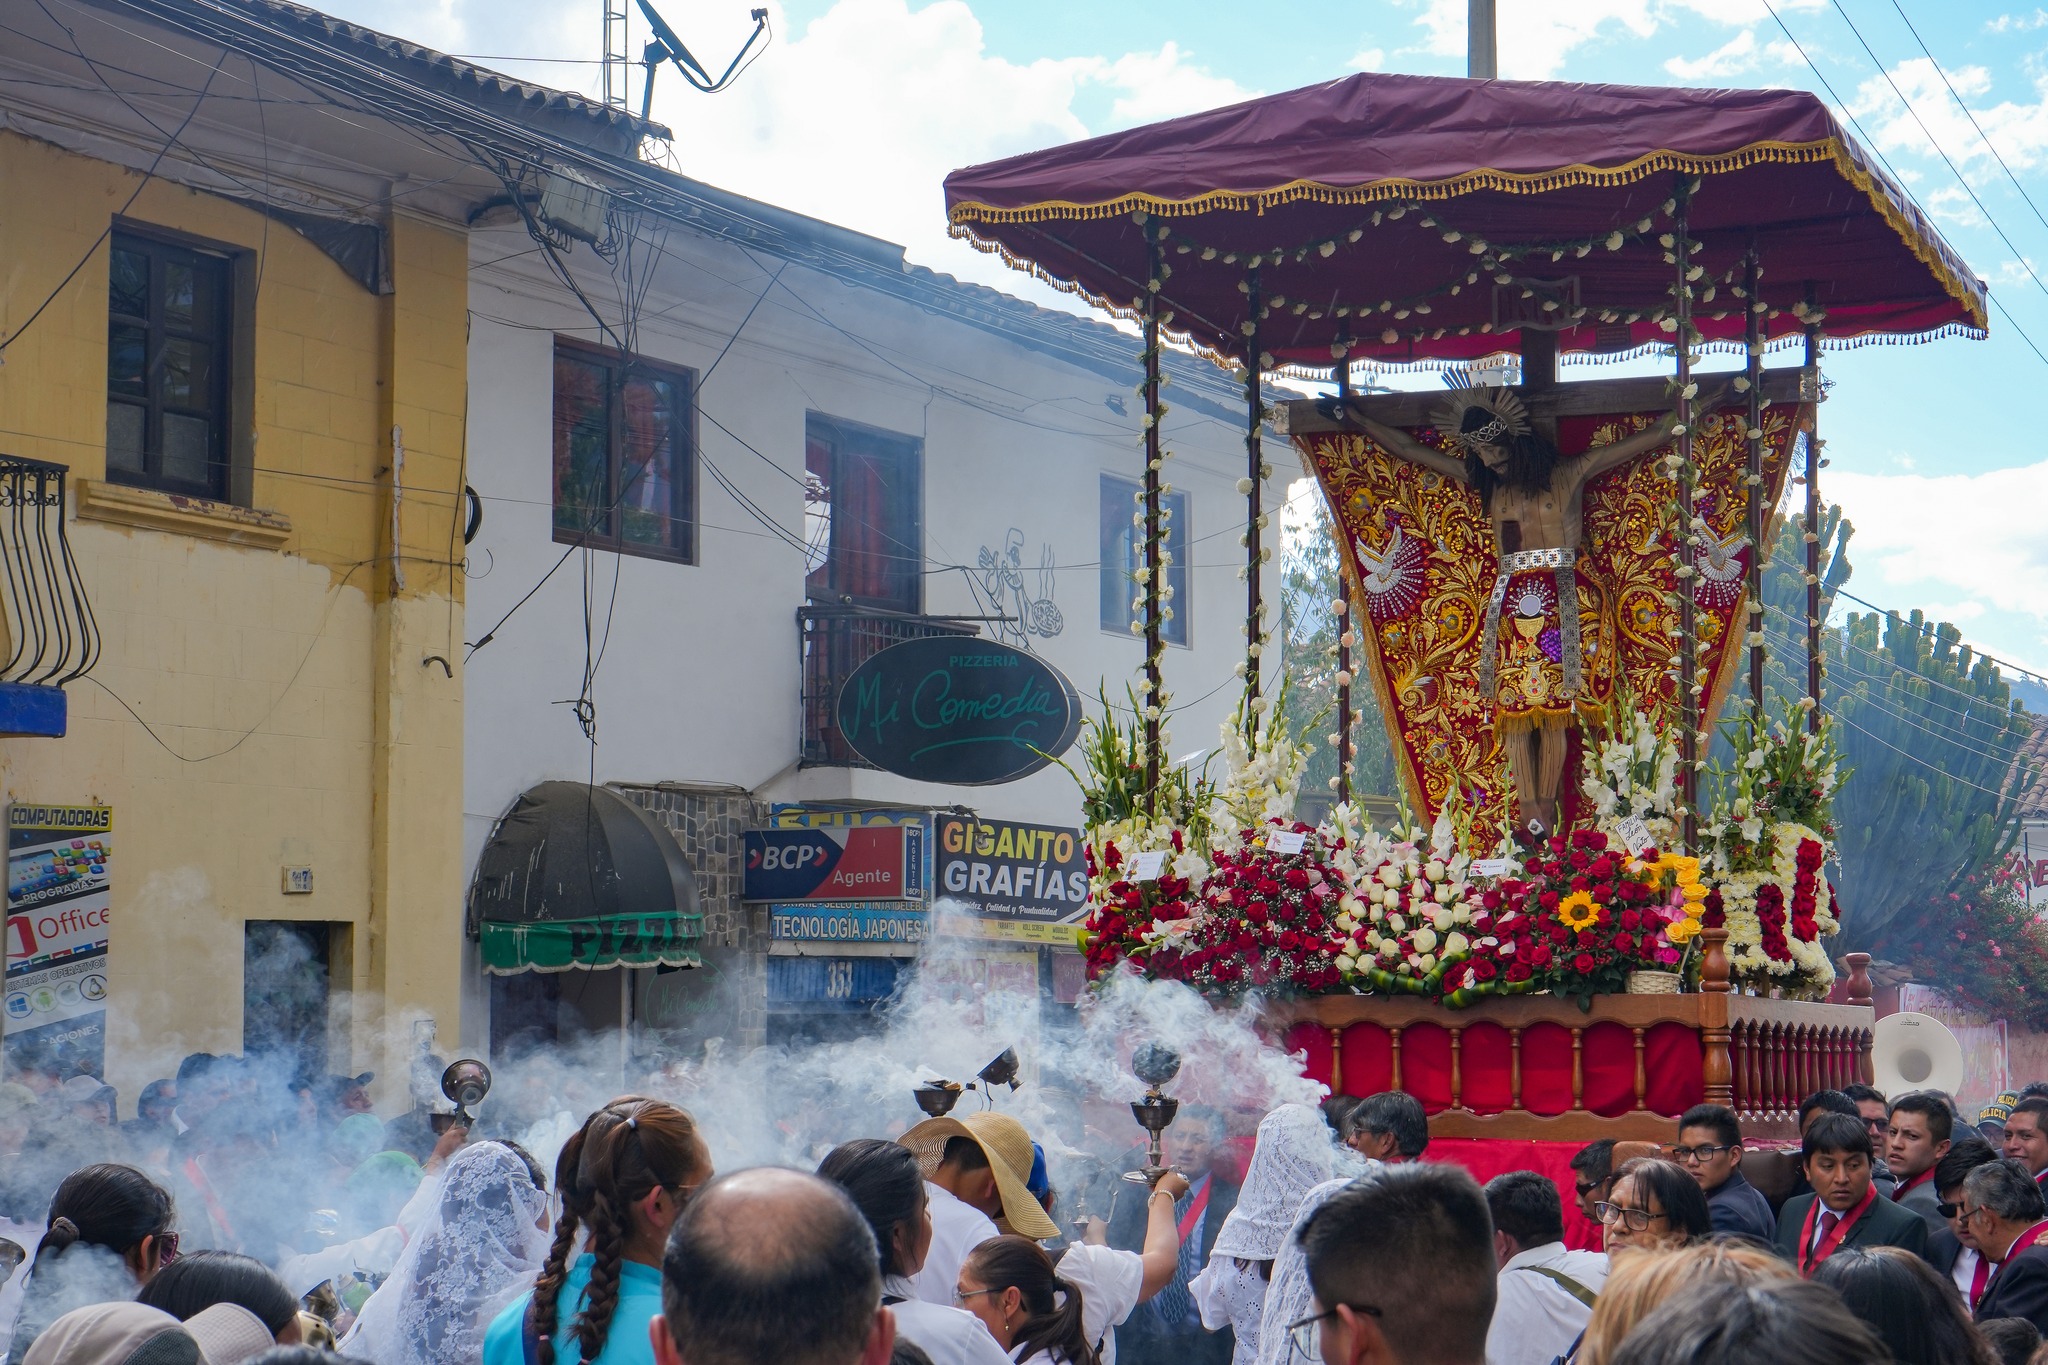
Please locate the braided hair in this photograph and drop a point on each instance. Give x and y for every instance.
(1052, 1306)
(622, 1152)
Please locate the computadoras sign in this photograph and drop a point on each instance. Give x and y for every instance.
(963, 711)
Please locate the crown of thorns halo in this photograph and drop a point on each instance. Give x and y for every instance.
(1509, 417)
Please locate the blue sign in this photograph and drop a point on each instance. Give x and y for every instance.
(848, 983)
(846, 924)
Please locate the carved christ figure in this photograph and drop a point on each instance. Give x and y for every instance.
(1548, 644)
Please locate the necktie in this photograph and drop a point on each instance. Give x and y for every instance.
(1827, 1227)
(1174, 1303)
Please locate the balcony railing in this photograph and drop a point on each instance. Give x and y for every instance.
(51, 636)
(835, 640)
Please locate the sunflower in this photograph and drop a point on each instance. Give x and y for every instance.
(1578, 910)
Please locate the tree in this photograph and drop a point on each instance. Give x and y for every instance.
(1932, 733)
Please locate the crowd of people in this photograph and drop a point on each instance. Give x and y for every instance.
(238, 1218)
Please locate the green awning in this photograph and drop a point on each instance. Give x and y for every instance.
(606, 941)
(576, 876)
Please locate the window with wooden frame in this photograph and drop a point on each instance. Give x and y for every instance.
(1122, 554)
(169, 358)
(863, 515)
(625, 466)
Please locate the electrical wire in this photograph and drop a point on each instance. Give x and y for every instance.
(1892, 171)
(1969, 114)
(115, 217)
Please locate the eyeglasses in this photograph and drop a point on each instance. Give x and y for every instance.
(1702, 1154)
(963, 1295)
(1636, 1220)
(166, 1248)
(1306, 1336)
(1968, 1213)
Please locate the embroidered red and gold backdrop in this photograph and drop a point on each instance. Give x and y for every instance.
(1420, 563)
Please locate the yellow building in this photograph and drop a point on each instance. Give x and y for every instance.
(233, 304)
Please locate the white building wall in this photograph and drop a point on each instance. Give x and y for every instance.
(699, 678)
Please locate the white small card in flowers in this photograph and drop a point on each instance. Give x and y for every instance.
(1492, 867)
(1285, 841)
(1635, 834)
(1146, 867)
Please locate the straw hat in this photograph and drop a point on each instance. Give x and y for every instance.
(1008, 1148)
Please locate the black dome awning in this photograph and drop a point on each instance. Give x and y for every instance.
(576, 876)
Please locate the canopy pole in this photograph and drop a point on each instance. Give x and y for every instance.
(1811, 528)
(1689, 688)
(1255, 412)
(1153, 533)
(1754, 477)
(1343, 605)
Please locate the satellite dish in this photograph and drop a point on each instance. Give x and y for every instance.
(668, 47)
(1915, 1052)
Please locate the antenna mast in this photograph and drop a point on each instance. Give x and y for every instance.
(616, 61)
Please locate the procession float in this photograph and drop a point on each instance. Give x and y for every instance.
(1579, 927)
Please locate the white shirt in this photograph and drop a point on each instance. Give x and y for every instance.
(957, 1229)
(1234, 1296)
(1964, 1273)
(1536, 1319)
(1109, 1282)
(950, 1336)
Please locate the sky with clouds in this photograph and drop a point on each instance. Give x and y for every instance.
(859, 108)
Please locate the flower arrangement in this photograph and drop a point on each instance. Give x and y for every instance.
(1604, 912)
(1769, 836)
(1264, 918)
(1632, 771)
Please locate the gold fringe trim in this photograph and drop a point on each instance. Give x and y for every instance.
(1911, 227)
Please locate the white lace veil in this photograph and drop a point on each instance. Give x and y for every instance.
(1294, 1153)
(479, 1249)
(1289, 1295)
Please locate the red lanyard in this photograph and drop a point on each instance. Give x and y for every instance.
(1920, 1179)
(1978, 1278)
(1196, 1207)
(1809, 1259)
(2024, 1241)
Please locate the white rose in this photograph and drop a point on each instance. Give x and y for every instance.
(1425, 940)
(1446, 893)
(1425, 962)
(1397, 924)
(1456, 943)
(1435, 870)
(1346, 963)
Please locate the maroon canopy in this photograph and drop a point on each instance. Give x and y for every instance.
(1405, 218)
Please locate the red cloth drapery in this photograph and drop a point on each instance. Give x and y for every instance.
(1486, 1158)
(1672, 1064)
(1291, 178)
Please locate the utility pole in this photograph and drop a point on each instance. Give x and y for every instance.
(1482, 54)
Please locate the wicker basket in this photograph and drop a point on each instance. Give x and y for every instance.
(1653, 983)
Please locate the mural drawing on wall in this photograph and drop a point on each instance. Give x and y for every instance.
(1002, 582)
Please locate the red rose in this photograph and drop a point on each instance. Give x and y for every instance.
(1540, 955)
(1297, 878)
(1624, 943)
(1519, 972)
(1548, 900)
(1630, 920)
(1583, 963)
(1483, 970)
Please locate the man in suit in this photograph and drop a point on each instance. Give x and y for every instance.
(1710, 1150)
(1952, 1248)
(1168, 1329)
(1845, 1208)
(1917, 1131)
(2004, 1211)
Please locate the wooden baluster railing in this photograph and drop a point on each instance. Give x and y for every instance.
(1394, 1042)
(1838, 1057)
(1859, 977)
(1515, 1068)
(1863, 1070)
(1457, 1062)
(1774, 1053)
(1336, 1061)
(1578, 1070)
(1714, 987)
(1802, 1058)
(1738, 1060)
(1642, 1073)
